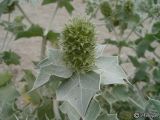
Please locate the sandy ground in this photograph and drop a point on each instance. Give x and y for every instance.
(29, 49)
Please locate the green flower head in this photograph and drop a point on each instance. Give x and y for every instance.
(79, 44)
(128, 7)
(106, 9)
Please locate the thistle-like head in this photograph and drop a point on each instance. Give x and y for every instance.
(79, 44)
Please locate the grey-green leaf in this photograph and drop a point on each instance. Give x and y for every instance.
(52, 65)
(79, 90)
(91, 114)
(155, 103)
(70, 111)
(107, 117)
(110, 71)
(8, 95)
(5, 77)
(93, 110)
(47, 71)
(99, 50)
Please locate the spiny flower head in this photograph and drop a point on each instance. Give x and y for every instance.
(128, 7)
(79, 44)
(106, 9)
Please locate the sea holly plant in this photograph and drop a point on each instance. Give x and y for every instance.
(80, 63)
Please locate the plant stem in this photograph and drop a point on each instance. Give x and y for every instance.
(24, 14)
(56, 110)
(94, 13)
(44, 40)
(43, 48)
(133, 29)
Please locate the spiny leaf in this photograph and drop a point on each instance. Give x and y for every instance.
(156, 27)
(145, 44)
(93, 110)
(110, 71)
(117, 93)
(53, 65)
(9, 94)
(46, 109)
(119, 43)
(52, 36)
(67, 5)
(7, 6)
(155, 103)
(70, 111)
(33, 31)
(10, 57)
(134, 61)
(99, 50)
(76, 91)
(14, 26)
(104, 116)
(92, 113)
(62, 3)
(5, 78)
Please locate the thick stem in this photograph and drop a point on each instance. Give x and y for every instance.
(43, 47)
(56, 110)
(24, 14)
(44, 40)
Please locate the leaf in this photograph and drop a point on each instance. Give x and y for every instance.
(91, 114)
(134, 61)
(156, 27)
(5, 78)
(52, 36)
(15, 26)
(110, 71)
(155, 103)
(29, 78)
(119, 44)
(48, 2)
(136, 99)
(10, 57)
(53, 65)
(145, 44)
(156, 75)
(70, 111)
(9, 6)
(79, 90)
(46, 109)
(141, 73)
(117, 93)
(33, 31)
(67, 5)
(55, 57)
(99, 50)
(104, 116)
(3, 6)
(62, 3)
(9, 94)
(93, 110)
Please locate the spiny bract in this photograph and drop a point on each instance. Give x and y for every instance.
(79, 44)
